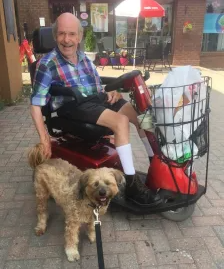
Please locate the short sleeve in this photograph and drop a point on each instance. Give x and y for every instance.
(41, 85)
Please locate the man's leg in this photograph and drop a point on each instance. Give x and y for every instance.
(129, 111)
(135, 189)
(119, 124)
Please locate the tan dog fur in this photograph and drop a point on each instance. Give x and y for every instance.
(74, 191)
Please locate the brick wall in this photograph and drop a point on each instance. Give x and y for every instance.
(212, 59)
(30, 11)
(187, 47)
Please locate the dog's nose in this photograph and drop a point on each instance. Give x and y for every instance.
(102, 192)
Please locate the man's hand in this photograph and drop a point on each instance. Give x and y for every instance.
(39, 123)
(47, 145)
(113, 97)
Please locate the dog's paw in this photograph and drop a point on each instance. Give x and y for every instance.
(72, 254)
(92, 237)
(39, 231)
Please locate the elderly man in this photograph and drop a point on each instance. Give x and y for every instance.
(69, 67)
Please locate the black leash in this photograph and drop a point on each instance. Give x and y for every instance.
(99, 245)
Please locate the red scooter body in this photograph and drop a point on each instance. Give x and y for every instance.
(84, 155)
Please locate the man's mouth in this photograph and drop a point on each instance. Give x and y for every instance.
(67, 46)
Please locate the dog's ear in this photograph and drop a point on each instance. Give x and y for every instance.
(119, 176)
(83, 181)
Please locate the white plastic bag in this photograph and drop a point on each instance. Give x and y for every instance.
(174, 102)
(180, 152)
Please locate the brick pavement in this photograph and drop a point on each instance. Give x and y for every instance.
(130, 242)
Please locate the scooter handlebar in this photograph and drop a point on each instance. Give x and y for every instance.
(119, 82)
(113, 84)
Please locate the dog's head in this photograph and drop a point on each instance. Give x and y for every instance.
(100, 185)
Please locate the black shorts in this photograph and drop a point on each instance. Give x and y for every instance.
(90, 109)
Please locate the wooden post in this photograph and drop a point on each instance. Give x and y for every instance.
(10, 68)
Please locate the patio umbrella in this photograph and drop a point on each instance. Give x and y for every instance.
(136, 8)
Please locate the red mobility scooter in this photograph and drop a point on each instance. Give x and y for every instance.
(88, 146)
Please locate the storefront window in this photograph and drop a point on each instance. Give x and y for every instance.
(213, 33)
(150, 30)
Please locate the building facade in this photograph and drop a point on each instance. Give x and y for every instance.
(203, 45)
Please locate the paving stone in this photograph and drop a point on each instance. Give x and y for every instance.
(121, 222)
(44, 252)
(174, 257)
(52, 264)
(7, 195)
(25, 188)
(15, 265)
(214, 211)
(197, 231)
(71, 265)
(160, 267)
(12, 217)
(107, 231)
(201, 257)
(219, 230)
(220, 264)
(187, 244)
(145, 224)
(159, 240)
(131, 235)
(207, 221)
(128, 261)
(91, 262)
(215, 248)
(187, 266)
(19, 248)
(171, 229)
(145, 253)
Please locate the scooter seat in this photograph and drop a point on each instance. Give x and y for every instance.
(88, 132)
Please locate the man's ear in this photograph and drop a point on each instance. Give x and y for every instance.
(83, 182)
(119, 176)
(80, 36)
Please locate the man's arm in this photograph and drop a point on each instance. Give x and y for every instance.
(39, 124)
(39, 98)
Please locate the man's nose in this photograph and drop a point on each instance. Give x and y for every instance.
(66, 38)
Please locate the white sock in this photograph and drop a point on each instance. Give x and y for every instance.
(148, 147)
(125, 154)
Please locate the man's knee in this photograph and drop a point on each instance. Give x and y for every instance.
(122, 121)
(115, 121)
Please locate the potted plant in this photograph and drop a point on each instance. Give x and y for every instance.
(90, 44)
(114, 59)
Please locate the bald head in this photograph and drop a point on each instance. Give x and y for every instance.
(68, 20)
(67, 32)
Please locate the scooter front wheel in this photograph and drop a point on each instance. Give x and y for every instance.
(179, 214)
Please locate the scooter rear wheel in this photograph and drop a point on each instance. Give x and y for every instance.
(179, 214)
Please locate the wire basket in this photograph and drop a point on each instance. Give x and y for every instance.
(182, 121)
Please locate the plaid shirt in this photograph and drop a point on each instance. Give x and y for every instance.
(54, 69)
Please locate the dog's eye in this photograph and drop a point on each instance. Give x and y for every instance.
(107, 182)
(96, 184)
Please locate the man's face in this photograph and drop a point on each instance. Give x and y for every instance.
(67, 38)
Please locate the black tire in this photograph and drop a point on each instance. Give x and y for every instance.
(179, 214)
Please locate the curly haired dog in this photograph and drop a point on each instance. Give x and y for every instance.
(74, 191)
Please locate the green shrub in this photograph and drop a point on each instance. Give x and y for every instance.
(90, 40)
